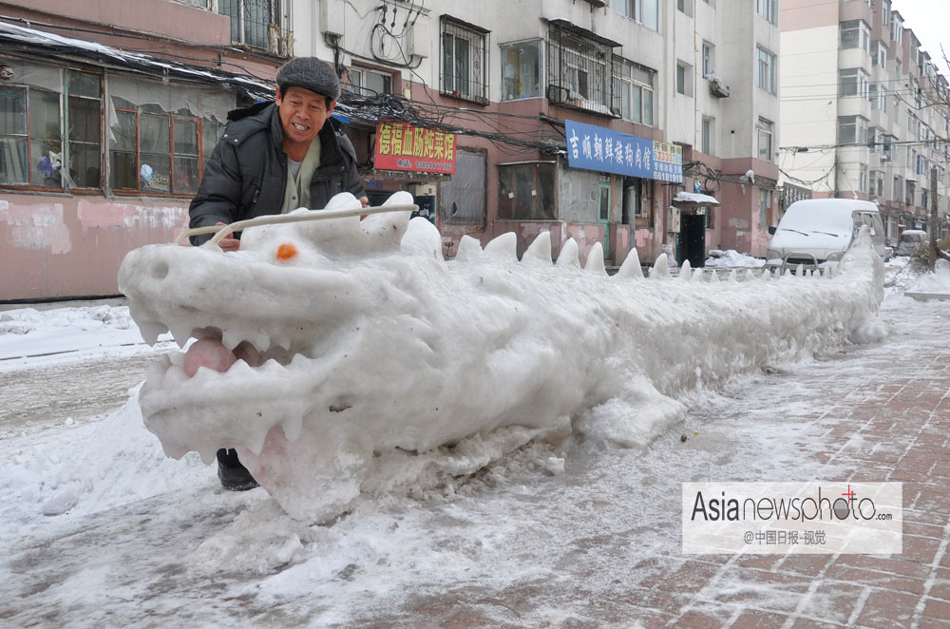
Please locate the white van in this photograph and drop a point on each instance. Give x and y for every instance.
(816, 231)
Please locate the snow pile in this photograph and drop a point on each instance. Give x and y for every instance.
(363, 362)
(936, 282)
(732, 258)
(31, 332)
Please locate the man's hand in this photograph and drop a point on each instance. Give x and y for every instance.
(229, 243)
(364, 201)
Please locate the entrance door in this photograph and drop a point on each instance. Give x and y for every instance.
(603, 215)
(692, 244)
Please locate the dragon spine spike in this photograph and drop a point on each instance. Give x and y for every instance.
(732, 277)
(569, 256)
(539, 250)
(749, 275)
(714, 276)
(595, 260)
(503, 247)
(423, 237)
(469, 249)
(631, 266)
(661, 268)
(686, 271)
(698, 274)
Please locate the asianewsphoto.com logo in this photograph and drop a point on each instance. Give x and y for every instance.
(849, 505)
(813, 517)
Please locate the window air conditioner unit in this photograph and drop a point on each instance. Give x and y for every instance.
(718, 87)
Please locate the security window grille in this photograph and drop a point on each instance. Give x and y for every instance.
(578, 68)
(255, 24)
(464, 61)
(526, 191)
(633, 91)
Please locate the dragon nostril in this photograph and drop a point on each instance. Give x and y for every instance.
(159, 270)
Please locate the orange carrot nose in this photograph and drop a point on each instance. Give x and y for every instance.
(286, 251)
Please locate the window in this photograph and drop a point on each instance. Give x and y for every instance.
(897, 30)
(709, 59)
(878, 97)
(768, 9)
(877, 183)
(766, 130)
(464, 61)
(765, 204)
(708, 140)
(910, 194)
(526, 191)
(646, 12)
(30, 147)
(636, 200)
(162, 149)
(462, 198)
(633, 91)
(885, 13)
(856, 34)
(578, 67)
(369, 82)
(255, 24)
(766, 74)
(84, 121)
(684, 79)
(862, 178)
(852, 130)
(34, 151)
(685, 6)
(898, 188)
(853, 82)
(521, 70)
(879, 54)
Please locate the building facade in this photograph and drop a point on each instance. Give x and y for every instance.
(112, 110)
(864, 111)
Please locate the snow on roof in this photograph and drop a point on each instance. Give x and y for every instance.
(694, 198)
(51, 41)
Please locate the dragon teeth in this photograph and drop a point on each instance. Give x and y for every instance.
(539, 251)
(595, 260)
(503, 247)
(631, 266)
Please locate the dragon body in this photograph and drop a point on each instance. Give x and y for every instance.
(335, 344)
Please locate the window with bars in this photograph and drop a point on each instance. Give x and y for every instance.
(256, 24)
(577, 66)
(464, 61)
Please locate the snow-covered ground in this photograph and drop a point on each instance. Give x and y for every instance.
(101, 529)
(732, 258)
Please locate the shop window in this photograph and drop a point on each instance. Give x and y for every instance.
(526, 191)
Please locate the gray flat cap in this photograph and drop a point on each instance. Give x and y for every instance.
(311, 74)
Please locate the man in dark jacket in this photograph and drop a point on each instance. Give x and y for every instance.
(277, 157)
(274, 158)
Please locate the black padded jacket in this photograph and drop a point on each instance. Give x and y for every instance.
(246, 175)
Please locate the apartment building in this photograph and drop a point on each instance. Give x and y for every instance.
(630, 123)
(864, 112)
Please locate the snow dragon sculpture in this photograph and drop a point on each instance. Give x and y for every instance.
(328, 346)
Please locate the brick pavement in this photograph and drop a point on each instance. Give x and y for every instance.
(894, 425)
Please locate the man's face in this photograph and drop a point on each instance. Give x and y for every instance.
(302, 113)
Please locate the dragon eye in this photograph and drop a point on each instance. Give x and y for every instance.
(286, 252)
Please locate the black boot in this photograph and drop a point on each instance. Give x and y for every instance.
(233, 475)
